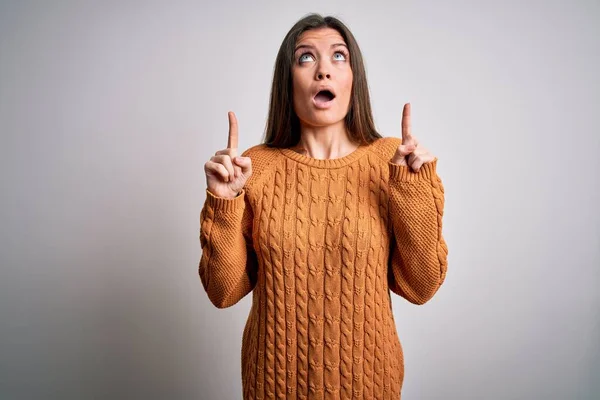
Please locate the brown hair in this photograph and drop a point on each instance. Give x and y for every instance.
(283, 125)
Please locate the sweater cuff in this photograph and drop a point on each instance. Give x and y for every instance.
(403, 173)
(225, 204)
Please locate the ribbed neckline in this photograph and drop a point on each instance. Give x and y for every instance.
(328, 163)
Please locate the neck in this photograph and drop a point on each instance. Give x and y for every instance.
(325, 142)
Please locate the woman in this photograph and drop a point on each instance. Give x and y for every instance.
(321, 222)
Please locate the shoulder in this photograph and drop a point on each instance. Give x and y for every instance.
(264, 158)
(385, 147)
(257, 151)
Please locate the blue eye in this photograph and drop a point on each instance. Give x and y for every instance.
(302, 59)
(341, 54)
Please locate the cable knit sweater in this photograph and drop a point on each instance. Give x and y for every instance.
(321, 243)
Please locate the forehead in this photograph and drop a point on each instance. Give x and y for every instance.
(324, 35)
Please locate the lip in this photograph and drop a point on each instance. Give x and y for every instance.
(328, 104)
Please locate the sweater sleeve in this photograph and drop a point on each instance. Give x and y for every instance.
(418, 259)
(228, 265)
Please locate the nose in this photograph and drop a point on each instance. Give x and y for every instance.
(322, 72)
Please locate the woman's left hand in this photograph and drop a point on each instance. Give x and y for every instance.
(410, 152)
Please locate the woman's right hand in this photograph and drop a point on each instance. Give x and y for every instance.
(226, 173)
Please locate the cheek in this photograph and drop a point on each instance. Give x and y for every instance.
(298, 100)
(347, 83)
(347, 95)
(298, 89)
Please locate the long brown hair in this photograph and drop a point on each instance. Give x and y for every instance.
(283, 125)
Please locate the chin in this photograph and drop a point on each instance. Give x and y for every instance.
(323, 118)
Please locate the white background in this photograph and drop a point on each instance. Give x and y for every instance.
(109, 110)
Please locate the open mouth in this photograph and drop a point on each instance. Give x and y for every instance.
(323, 97)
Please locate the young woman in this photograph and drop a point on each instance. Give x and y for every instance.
(321, 222)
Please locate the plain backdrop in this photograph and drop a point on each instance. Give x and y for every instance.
(109, 110)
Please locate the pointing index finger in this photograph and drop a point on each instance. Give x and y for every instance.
(232, 140)
(406, 126)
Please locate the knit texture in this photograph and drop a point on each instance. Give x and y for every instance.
(321, 244)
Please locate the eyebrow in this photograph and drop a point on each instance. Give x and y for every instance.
(312, 47)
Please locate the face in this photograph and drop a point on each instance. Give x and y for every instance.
(322, 78)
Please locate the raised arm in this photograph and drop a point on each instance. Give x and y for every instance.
(418, 259)
(228, 265)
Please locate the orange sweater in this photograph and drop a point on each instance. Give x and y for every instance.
(321, 243)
